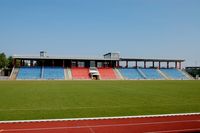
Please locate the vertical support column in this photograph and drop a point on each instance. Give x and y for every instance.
(117, 64)
(53, 63)
(168, 64)
(179, 65)
(42, 63)
(176, 66)
(153, 63)
(20, 63)
(14, 62)
(136, 64)
(23, 63)
(63, 63)
(159, 65)
(110, 64)
(31, 63)
(145, 64)
(126, 64)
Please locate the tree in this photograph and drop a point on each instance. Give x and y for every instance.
(3, 61)
(10, 62)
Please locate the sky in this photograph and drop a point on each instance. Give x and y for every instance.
(135, 28)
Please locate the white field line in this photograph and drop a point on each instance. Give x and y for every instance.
(99, 126)
(77, 108)
(172, 131)
(103, 118)
(66, 108)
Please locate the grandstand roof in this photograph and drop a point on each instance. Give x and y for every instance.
(60, 58)
(95, 58)
(151, 60)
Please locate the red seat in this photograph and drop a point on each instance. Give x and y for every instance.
(107, 73)
(80, 73)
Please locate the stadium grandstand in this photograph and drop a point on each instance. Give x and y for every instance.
(109, 67)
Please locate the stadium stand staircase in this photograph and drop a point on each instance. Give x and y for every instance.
(80, 73)
(161, 73)
(107, 73)
(141, 73)
(42, 73)
(14, 73)
(186, 74)
(68, 73)
(151, 73)
(119, 75)
(65, 74)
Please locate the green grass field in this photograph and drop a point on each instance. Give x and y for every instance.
(73, 99)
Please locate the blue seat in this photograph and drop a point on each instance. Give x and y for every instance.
(130, 73)
(174, 73)
(29, 73)
(53, 73)
(151, 73)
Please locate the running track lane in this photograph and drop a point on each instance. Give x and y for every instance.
(167, 124)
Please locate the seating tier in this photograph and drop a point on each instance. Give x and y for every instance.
(107, 73)
(130, 73)
(80, 73)
(29, 73)
(174, 73)
(53, 73)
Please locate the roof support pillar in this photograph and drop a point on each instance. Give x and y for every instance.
(159, 65)
(126, 64)
(63, 63)
(136, 64)
(14, 62)
(145, 64)
(153, 63)
(42, 63)
(179, 65)
(117, 64)
(20, 63)
(31, 62)
(176, 64)
(168, 64)
(110, 64)
(53, 63)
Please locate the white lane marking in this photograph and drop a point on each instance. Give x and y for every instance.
(103, 118)
(91, 130)
(99, 126)
(172, 131)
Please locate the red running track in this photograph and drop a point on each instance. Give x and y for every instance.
(167, 124)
